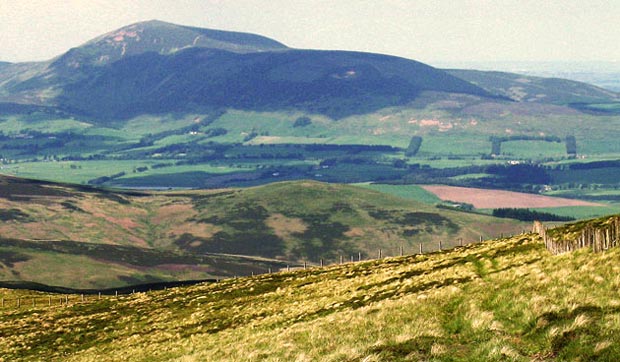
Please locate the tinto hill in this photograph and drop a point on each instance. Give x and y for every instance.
(502, 300)
(53, 232)
(156, 67)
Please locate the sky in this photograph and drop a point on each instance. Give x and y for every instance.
(431, 31)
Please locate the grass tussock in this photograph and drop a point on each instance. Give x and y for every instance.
(507, 300)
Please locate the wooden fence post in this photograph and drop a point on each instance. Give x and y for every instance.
(439, 245)
(341, 261)
(50, 301)
(321, 262)
(305, 265)
(19, 302)
(401, 251)
(359, 256)
(421, 249)
(380, 253)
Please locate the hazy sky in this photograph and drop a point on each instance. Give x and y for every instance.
(425, 30)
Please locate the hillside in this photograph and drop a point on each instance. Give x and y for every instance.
(502, 300)
(50, 232)
(523, 88)
(334, 83)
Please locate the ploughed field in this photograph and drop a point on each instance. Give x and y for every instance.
(491, 199)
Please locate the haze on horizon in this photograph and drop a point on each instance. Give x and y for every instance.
(439, 31)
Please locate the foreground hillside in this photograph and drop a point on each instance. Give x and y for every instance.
(502, 300)
(52, 232)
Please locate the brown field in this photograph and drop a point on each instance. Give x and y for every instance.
(491, 199)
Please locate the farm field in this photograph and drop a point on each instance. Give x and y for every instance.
(489, 199)
(500, 300)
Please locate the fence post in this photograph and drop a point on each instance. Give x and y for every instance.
(460, 241)
(439, 245)
(401, 251)
(341, 260)
(305, 265)
(33, 302)
(82, 297)
(351, 258)
(421, 249)
(359, 256)
(321, 262)
(269, 270)
(99, 296)
(67, 300)
(19, 302)
(380, 253)
(50, 301)
(2, 302)
(480, 239)
(288, 268)
(116, 293)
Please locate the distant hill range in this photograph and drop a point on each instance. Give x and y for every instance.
(157, 67)
(523, 88)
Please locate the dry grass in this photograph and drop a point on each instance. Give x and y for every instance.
(506, 300)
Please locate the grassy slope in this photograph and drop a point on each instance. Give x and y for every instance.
(67, 230)
(503, 300)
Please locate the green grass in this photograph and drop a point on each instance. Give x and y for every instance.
(412, 192)
(533, 150)
(503, 300)
(582, 212)
(15, 125)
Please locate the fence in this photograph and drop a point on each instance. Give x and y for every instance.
(599, 238)
(65, 300)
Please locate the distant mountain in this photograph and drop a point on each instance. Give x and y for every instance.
(334, 83)
(524, 88)
(154, 67)
(41, 82)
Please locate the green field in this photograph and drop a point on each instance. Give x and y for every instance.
(252, 146)
(412, 192)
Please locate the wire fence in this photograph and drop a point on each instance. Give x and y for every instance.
(65, 300)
